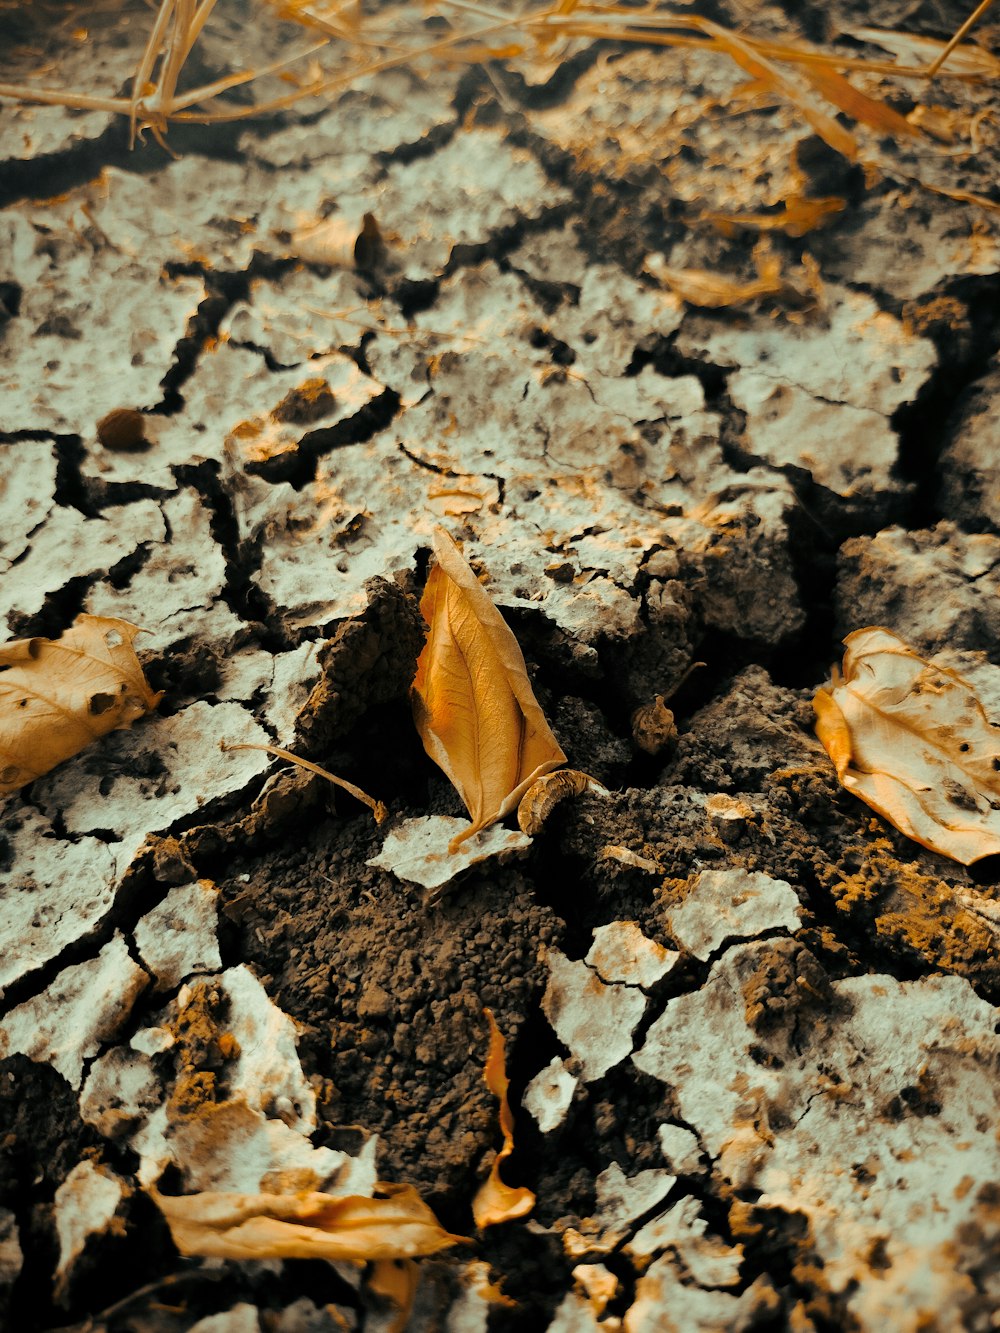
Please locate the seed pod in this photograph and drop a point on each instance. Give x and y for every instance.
(544, 795)
(123, 430)
(653, 726)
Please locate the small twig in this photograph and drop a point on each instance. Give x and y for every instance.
(378, 808)
(967, 26)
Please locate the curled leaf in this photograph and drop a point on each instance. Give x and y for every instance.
(546, 792)
(472, 702)
(913, 741)
(496, 1202)
(309, 1225)
(58, 695)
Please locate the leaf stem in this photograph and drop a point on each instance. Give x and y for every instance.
(378, 808)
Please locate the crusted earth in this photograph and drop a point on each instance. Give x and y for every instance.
(751, 1029)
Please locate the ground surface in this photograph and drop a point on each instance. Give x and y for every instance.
(750, 1027)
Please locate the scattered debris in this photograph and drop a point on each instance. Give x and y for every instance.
(593, 1019)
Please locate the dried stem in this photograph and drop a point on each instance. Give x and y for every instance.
(378, 808)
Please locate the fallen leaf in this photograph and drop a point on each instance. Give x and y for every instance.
(308, 1225)
(912, 740)
(496, 1202)
(472, 703)
(58, 695)
(856, 104)
(799, 216)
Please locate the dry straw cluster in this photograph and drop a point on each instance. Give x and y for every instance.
(346, 46)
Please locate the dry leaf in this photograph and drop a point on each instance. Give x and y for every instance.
(712, 291)
(799, 216)
(472, 703)
(496, 1202)
(913, 740)
(309, 1225)
(58, 695)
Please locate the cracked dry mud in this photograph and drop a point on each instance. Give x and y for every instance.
(751, 1028)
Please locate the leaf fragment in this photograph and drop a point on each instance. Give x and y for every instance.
(494, 1201)
(912, 740)
(798, 216)
(307, 1225)
(472, 702)
(58, 695)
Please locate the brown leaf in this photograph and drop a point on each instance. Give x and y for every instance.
(472, 703)
(308, 1225)
(58, 695)
(799, 216)
(496, 1202)
(913, 741)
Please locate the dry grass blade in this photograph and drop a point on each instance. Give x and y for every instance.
(798, 217)
(965, 61)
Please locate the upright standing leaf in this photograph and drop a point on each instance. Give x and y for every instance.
(496, 1201)
(912, 740)
(58, 695)
(472, 702)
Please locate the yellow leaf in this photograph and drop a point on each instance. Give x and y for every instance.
(58, 695)
(913, 741)
(472, 703)
(308, 1225)
(496, 1202)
